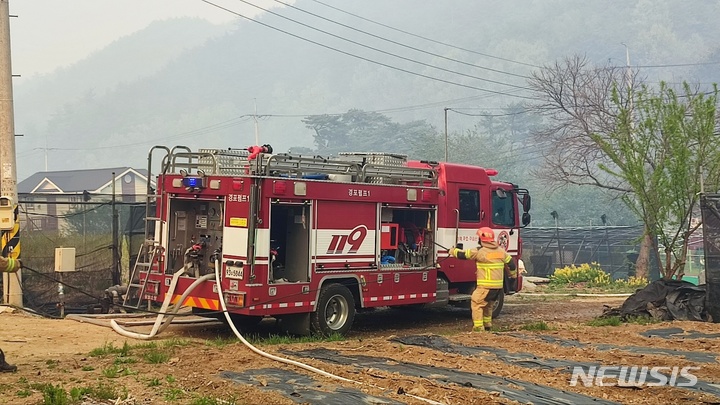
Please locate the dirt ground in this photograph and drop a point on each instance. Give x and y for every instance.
(193, 364)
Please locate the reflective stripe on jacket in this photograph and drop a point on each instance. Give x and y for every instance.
(8, 265)
(490, 263)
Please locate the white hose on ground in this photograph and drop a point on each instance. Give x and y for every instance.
(159, 326)
(284, 360)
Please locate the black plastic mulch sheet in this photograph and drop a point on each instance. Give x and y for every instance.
(303, 389)
(529, 360)
(678, 333)
(517, 390)
(666, 300)
(700, 357)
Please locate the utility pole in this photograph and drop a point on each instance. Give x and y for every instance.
(446, 135)
(257, 135)
(10, 240)
(628, 79)
(115, 241)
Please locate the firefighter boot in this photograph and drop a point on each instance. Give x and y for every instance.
(487, 322)
(4, 366)
(478, 326)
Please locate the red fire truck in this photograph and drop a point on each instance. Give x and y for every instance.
(311, 240)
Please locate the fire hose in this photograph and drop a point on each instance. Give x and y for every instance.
(282, 359)
(159, 326)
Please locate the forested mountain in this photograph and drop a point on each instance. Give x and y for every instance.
(191, 83)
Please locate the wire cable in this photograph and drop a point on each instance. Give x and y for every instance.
(425, 38)
(384, 52)
(366, 59)
(410, 47)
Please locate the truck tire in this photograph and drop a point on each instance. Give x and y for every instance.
(497, 307)
(335, 311)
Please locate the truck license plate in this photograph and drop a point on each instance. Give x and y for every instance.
(234, 272)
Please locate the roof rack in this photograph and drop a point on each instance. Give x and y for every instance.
(367, 167)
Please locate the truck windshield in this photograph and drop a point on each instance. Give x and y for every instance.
(503, 209)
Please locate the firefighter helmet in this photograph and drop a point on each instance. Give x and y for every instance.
(486, 234)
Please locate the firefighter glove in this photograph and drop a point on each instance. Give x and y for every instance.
(12, 265)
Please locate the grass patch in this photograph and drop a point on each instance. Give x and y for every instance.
(287, 339)
(53, 395)
(109, 348)
(87, 368)
(106, 391)
(155, 382)
(608, 321)
(76, 394)
(176, 342)
(146, 345)
(23, 393)
(156, 356)
(221, 341)
(540, 325)
(173, 394)
(170, 379)
(124, 360)
(116, 371)
(51, 364)
(212, 401)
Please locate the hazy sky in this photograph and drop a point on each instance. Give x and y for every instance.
(52, 33)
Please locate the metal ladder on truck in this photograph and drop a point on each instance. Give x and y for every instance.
(150, 249)
(361, 168)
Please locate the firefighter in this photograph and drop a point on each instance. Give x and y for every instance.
(492, 262)
(8, 265)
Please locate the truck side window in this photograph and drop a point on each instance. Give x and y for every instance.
(469, 205)
(503, 210)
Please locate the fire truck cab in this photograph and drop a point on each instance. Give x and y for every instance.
(311, 240)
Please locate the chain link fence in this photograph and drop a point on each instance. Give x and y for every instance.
(101, 261)
(614, 248)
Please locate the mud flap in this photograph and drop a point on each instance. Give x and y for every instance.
(510, 285)
(295, 324)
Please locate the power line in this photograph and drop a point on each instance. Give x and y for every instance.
(408, 46)
(382, 51)
(363, 58)
(488, 115)
(425, 38)
(675, 65)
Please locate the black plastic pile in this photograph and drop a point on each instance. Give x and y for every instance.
(666, 300)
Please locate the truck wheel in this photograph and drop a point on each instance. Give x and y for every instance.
(335, 311)
(497, 307)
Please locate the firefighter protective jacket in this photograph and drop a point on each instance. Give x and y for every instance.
(9, 265)
(490, 260)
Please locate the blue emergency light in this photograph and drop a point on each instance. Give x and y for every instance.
(193, 182)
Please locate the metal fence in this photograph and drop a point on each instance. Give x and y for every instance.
(614, 248)
(101, 260)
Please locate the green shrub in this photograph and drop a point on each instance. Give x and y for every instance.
(585, 273)
(593, 276)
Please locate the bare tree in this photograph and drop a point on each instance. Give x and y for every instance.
(576, 100)
(651, 147)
